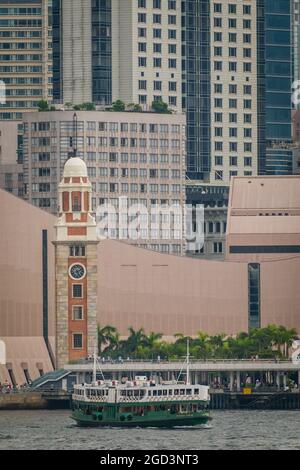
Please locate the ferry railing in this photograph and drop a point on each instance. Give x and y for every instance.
(160, 398)
(192, 361)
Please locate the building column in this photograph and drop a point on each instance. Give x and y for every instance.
(284, 381)
(231, 381)
(238, 381)
(278, 379)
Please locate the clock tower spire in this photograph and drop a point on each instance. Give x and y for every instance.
(76, 266)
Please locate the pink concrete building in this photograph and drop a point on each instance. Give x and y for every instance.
(256, 285)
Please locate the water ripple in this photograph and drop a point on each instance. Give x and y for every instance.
(228, 430)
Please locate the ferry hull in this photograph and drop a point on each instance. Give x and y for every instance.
(176, 421)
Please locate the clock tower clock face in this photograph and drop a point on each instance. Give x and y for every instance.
(77, 271)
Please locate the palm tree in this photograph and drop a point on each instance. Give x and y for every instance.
(283, 338)
(201, 346)
(217, 343)
(135, 340)
(262, 340)
(153, 340)
(107, 336)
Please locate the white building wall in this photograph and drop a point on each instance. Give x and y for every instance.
(77, 51)
(127, 72)
(222, 173)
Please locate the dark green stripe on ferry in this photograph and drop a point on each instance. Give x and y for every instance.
(162, 414)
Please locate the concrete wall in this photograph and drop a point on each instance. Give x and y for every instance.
(23, 401)
(21, 267)
(77, 53)
(169, 294)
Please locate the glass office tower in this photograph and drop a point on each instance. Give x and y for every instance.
(198, 87)
(278, 41)
(102, 51)
(279, 77)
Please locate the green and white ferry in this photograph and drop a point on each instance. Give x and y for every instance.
(140, 403)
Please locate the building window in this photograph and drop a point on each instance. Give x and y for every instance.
(77, 341)
(218, 247)
(157, 33)
(77, 291)
(77, 312)
(77, 250)
(142, 47)
(157, 62)
(254, 295)
(76, 203)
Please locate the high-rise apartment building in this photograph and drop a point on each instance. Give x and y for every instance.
(277, 56)
(146, 45)
(137, 156)
(118, 49)
(11, 157)
(296, 33)
(25, 55)
(221, 89)
(238, 88)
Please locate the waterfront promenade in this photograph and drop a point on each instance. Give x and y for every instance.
(230, 374)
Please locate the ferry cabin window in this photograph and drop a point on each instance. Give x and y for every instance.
(196, 391)
(176, 392)
(189, 391)
(170, 392)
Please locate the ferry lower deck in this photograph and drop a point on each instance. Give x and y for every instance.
(163, 414)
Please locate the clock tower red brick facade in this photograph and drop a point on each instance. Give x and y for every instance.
(76, 267)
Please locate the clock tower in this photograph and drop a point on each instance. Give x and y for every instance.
(76, 267)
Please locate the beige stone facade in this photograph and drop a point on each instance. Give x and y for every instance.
(234, 141)
(140, 156)
(11, 157)
(62, 317)
(25, 57)
(146, 52)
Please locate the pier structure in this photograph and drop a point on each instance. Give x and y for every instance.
(231, 375)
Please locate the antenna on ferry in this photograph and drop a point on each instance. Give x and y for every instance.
(95, 366)
(188, 362)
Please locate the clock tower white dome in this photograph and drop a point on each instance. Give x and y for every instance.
(75, 167)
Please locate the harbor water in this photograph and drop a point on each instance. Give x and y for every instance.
(229, 430)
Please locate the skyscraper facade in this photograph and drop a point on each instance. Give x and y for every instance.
(221, 89)
(118, 49)
(296, 33)
(137, 156)
(238, 88)
(278, 18)
(25, 55)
